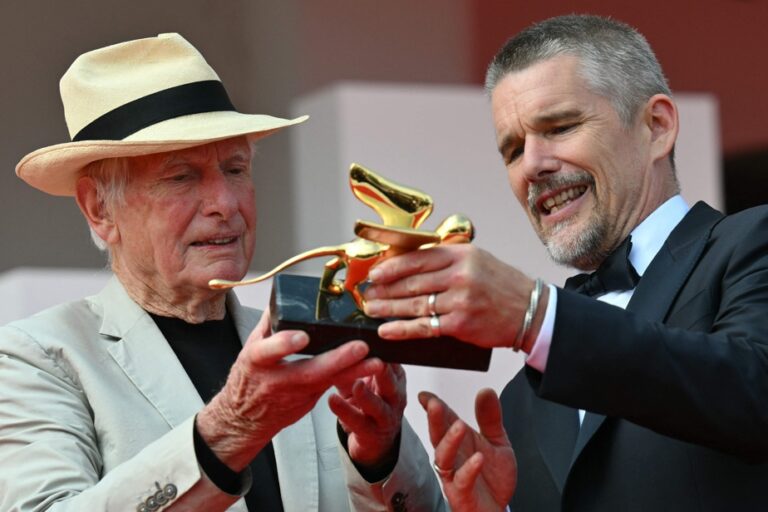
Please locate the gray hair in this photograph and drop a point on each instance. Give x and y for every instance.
(111, 176)
(616, 61)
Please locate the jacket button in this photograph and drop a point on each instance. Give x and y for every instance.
(398, 502)
(170, 491)
(152, 503)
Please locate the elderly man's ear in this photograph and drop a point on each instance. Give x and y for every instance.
(95, 210)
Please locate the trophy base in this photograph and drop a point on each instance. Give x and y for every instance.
(332, 320)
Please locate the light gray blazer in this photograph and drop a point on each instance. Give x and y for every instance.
(96, 412)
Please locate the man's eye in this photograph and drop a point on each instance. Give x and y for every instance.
(236, 171)
(514, 154)
(179, 177)
(562, 129)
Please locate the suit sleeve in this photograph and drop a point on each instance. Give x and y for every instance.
(50, 452)
(701, 376)
(412, 485)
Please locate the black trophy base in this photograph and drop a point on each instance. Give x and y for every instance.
(331, 321)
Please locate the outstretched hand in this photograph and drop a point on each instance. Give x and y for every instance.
(370, 411)
(478, 470)
(265, 392)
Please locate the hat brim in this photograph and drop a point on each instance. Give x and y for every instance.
(55, 169)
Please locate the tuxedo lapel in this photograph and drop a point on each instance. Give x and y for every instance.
(555, 427)
(138, 347)
(671, 267)
(661, 283)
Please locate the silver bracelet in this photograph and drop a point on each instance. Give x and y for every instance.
(530, 313)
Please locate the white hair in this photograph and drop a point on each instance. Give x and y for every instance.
(111, 176)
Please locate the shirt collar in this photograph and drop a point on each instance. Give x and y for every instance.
(650, 235)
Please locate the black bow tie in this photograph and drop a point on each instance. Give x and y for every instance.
(614, 274)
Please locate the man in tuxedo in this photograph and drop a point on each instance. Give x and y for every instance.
(646, 378)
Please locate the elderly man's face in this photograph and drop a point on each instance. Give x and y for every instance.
(580, 174)
(189, 216)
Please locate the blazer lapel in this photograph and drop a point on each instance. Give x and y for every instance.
(136, 344)
(661, 283)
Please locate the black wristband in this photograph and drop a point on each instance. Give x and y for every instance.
(221, 475)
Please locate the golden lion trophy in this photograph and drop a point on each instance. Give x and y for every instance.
(330, 309)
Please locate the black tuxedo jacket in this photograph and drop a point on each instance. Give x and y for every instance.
(676, 385)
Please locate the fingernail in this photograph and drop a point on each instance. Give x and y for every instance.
(372, 308)
(299, 339)
(374, 274)
(360, 349)
(386, 331)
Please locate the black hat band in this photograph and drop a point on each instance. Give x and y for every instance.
(182, 100)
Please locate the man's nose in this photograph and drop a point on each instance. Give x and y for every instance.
(539, 158)
(219, 196)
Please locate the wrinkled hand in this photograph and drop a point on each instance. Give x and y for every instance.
(480, 299)
(371, 412)
(264, 393)
(481, 466)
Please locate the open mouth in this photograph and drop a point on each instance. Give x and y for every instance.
(561, 199)
(215, 241)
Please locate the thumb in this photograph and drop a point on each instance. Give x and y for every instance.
(263, 329)
(489, 418)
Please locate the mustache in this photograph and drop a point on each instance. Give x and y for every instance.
(556, 182)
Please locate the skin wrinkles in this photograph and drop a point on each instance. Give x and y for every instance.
(176, 205)
(554, 133)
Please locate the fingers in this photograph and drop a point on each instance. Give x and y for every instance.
(416, 328)
(350, 417)
(489, 417)
(465, 477)
(343, 364)
(447, 449)
(439, 416)
(389, 383)
(414, 304)
(268, 351)
(407, 269)
(264, 327)
(369, 402)
(345, 379)
(406, 329)
(363, 407)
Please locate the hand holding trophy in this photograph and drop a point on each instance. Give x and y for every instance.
(322, 309)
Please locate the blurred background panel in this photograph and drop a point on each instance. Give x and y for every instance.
(271, 53)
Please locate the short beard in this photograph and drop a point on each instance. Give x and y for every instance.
(583, 250)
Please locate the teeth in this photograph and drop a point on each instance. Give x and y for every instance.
(216, 241)
(558, 201)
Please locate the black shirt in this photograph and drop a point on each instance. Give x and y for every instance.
(207, 351)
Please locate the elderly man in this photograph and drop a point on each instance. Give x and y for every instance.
(159, 392)
(665, 346)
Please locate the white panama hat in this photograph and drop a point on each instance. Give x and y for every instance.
(137, 98)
